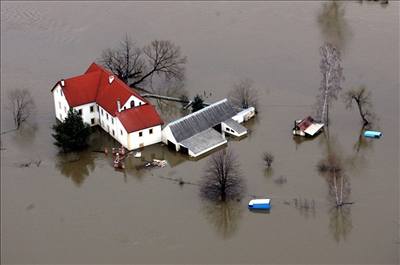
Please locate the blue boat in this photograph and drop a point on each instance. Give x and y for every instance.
(260, 204)
(372, 134)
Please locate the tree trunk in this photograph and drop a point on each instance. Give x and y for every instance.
(361, 111)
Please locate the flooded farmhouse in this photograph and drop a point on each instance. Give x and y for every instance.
(332, 197)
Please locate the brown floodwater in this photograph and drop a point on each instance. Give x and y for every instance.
(76, 208)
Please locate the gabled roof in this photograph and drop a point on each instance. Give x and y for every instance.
(138, 118)
(94, 86)
(81, 89)
(201, 120)
(203, 141)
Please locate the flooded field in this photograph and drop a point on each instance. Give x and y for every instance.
(77, 209)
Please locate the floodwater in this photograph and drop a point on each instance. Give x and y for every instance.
(77, 209)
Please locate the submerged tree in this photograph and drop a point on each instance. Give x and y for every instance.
(268, 159)
(136, 65)
(72, 134)
(222, 179)
(198, 103)
(21, 105)
(332, 75)
(362, 97)
(243, 95)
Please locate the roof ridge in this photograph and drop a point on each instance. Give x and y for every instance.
(199, 111)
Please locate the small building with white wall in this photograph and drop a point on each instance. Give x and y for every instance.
(103, 99)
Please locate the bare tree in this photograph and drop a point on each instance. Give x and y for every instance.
(125, 61)
(163, 58)
(222, 179)
(21, 105)
(243, 95)
(332, 75)
(362, 97)
(268, 159)
(136, 65)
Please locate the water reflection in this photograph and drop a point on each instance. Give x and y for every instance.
(25, 135)
(224, 216)
(76, 166)
(332, 168)
(340, 222)
(333, 24)
(362, 143)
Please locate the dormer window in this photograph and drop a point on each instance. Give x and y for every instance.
(132, 104)
(110, 79)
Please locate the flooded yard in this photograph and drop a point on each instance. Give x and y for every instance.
(76, 208)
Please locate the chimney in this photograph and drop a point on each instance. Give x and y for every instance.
(110, 79)
(118, 105)
(62, 83)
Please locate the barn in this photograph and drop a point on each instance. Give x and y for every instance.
(204, 130)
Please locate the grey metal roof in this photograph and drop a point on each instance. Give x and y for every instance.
(201, 120)
(234, 125)
(203, 141)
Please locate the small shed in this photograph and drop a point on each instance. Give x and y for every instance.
(307, 127)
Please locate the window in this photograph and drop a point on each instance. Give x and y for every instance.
(132, 104)
(122, 132)
(92, 121)
(101, 112)
(80, 112)
(112, 120)
(59, 105)
(113, 132)
(61, 92)
(107, 116)
(140, 134)
(150, 131)
(91, 108)
(97, 108)
(140, 103)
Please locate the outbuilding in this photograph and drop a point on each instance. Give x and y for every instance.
(204, 130)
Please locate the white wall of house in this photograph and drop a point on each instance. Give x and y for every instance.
(230, 130)
(121, 134)
(60, 103)
(144, 137)
(89, 113)
(107, 121)
(168, 136)
(94, 114)
(132, 102)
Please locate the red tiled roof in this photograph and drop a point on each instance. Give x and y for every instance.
(305, 123)
(81, 89)
(139, 118)
(94, 86)
(94, 67)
